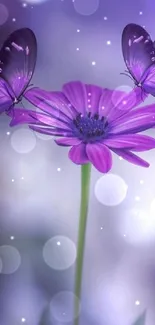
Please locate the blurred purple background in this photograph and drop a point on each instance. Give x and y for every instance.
(40, 187)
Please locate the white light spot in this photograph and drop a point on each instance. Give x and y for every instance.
(124, 102)
(93, 63)
(124, 235)
(105, 18)
(59, 169)
(137, 198)
(59, 258)
(137, 302)
(103, 107)
(110, 190)
(101, 228)
(89, 106)
(23, 140)
(12, 180)
(23, 320)
(89, 94)
(13, 19)
(108, 42)
(24, 5)
(120, 158)
(11, 259)
(78, 30)
(12, 237)
(140, 13)
(141, 182)
(77, 48)
(8, 133)
(62, 306)
(22, 177)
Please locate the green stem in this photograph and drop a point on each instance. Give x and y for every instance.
(85, 184)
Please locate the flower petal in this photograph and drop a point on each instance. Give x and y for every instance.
(115, 103)
(134, 124)
(21, 116)
(67, 141)
(93, 98)
(50, 131)
(100, 156)
(54, 103)
(127, 102)
(50, 121)
(76, 94)
(133, 141)
(131, 157)
(78, 154)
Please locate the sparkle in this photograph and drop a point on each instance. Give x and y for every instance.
(23, 320)
(93, 63)
(24, 5)
(89, 94)
(124, 235)
(120, 158)
(140, 13)
(59, 169)
(12, 237)
(101, 228)
(77, 48)
(137, 302)
(105, 18)
(78, 30)
(13, 19)
(89, 106)
(124, 102)
(8, 133)
(12, 180)
(108, 42)
(22, 177)
(58, 243)
(137, 198)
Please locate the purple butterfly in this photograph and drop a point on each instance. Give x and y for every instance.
(139, 56)
(17, 63)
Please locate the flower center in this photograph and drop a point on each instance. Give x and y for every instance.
(90, 127)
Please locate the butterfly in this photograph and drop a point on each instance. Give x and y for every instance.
(17, 63)
(139, 56)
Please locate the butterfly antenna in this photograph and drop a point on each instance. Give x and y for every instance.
(125, 74)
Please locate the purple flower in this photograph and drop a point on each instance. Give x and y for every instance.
(95, 122)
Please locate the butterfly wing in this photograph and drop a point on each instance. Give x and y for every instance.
(17, 60)
(5, 99)
(138, 50)
(149, 80)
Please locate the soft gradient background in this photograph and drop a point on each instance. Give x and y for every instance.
(40, 187)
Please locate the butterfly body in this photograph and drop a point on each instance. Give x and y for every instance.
(17, 63)
(139, 56)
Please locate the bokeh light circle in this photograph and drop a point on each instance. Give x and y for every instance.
(86, 8)
(137, 226)
(11, 259)
(123, 99)
(4, 14)
(59, 253)
(110, 190)
(62, 307)
(23, 140)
